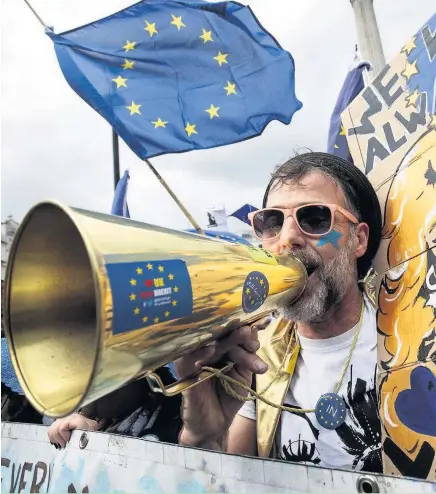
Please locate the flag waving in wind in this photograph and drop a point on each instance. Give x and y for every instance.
(353, 84)
(176, 75)
(243, 212)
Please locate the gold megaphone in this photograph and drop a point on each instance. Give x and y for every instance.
(93, 301)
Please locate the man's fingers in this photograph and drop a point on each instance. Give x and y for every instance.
(70, 424)
(64, 434)
(247, 360)
(242, 336)
(262, 323)
(53, 434)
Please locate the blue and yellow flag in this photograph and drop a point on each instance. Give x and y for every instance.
(176, 75)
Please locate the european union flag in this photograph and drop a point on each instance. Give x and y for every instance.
(337, 142)
(119, 205)
(148, 293)
(176, 75)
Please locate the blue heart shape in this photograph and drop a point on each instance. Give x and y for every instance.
(150, 303)
(416, 407)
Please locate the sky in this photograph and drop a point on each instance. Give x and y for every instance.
(54, 146)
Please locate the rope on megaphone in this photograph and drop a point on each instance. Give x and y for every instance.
(226, 382)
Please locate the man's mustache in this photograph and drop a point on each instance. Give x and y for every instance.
(310, 259)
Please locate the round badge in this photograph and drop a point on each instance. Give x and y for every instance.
(330, 411)
(255, 291)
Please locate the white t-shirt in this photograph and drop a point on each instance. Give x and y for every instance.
(356, 443)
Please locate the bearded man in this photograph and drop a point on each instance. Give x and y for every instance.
(318, 357)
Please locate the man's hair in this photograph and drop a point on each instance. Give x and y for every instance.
(295, 169)
(360, 197)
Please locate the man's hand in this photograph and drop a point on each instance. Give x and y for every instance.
(208, 410)
(59, 432)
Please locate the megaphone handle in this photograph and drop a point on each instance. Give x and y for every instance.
(176, 388)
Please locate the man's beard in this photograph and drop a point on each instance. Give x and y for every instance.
(326, 292)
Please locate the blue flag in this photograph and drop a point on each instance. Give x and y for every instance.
(242, 213)
(337, 142)
(119, 205)
(176, 75)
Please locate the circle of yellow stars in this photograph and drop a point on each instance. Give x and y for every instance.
(133, 296)
(206, 37)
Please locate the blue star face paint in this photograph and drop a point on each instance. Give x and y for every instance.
(331, 238)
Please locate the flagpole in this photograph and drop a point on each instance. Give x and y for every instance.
(368, 34)
(176, 199)
(36, 14)
(116, 158)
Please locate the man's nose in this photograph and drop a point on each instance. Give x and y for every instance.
(291, 237)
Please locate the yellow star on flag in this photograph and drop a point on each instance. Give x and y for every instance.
(128, 64)
(174, 302)
(136, 311)
(410, 70)
(230, 88)
(167, 314)
(213, 111)
(176, 289)
(206, 36)
(130, 45)
(336, 146)
(133, 282)
(190, 129)
(149, 266)
(247, 291)
(432, 123)
(177, 21)
(139, 270)
(261, 282)
(151, 28)
(159, 123)
(409, 46)
(221, 58)
(132, 296)
(145, 319)
(171, 276)
(160, 268)
(156, 320)
(134, 108)
(120, 81)
(412, 98)
(342, 133)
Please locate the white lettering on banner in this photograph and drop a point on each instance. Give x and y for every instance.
(162, 291)
(31, 464)
(162, 301)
